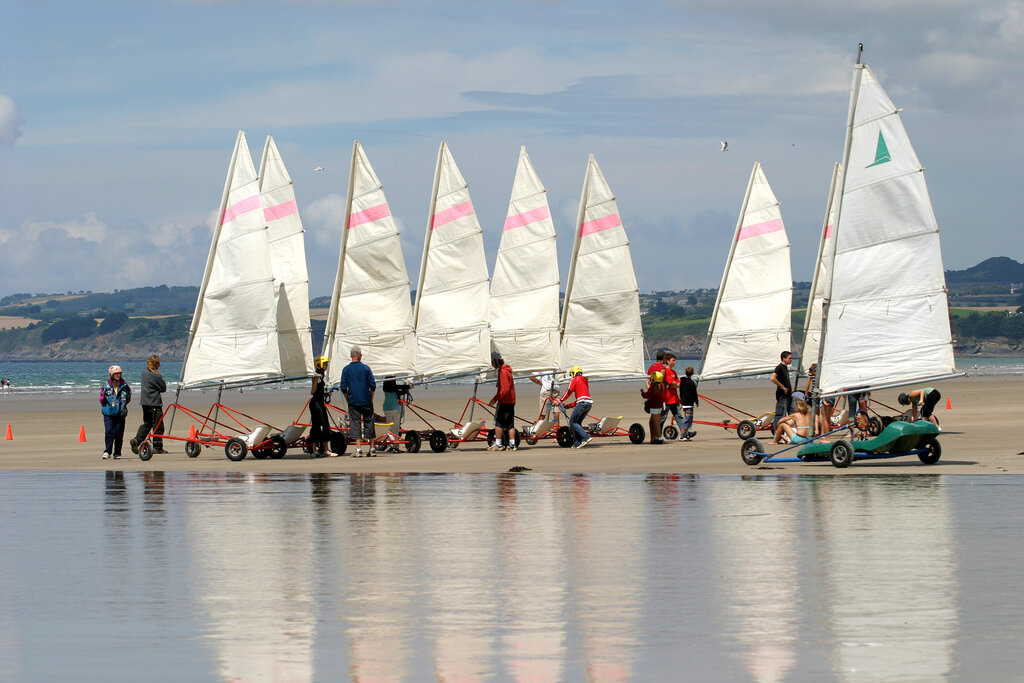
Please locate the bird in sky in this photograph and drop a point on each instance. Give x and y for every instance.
(318, 168)
(725, 145)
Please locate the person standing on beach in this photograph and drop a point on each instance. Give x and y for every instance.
(152, 385)
(688, 399)
(783, 389)
(358, 387)
(672, 395)
(548, 394)
(505, 397)
(320, 431)
(581, 387)
(654, 392)
(114, 399)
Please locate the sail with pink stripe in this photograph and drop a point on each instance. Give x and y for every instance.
(524, 287)
(451, 311)
(370, 305)
(812, 321)
(233, 338)
(600, 323)
(288, 261)
(751, 324)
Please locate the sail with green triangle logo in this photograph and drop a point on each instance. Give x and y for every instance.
(886, 318)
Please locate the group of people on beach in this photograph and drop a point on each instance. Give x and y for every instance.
(793, 421)
(116, 394)
(667, 393)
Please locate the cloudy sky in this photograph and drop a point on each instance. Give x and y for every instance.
(117, 120)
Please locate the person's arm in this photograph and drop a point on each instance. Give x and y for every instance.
(916, 397)
(776, 382)
(316, 378)
(535, 379)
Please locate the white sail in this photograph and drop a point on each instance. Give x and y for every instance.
(751, 325)
(812, 321)
(370, 307)
(288, 262)
(233, 337)
(601, 314)
(524, 287)
(886, 316)
(451, 312)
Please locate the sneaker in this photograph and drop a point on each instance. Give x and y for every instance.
(685, 438)
(658, 441)
(134, 443)
(116, 456)
(690, 435)
(160, 451)
(495, 447)
(512, 447)
(358, 453)
(330, 454)
(372, 453)
(585, 442)
(106, 456)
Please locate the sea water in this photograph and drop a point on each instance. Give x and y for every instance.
(503, 577)
(33, 377)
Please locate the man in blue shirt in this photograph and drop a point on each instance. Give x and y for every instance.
(358, 386)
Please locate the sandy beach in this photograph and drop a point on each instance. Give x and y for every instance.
(980, 435)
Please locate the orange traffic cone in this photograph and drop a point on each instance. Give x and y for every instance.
(10, 436)
(191, 431)
(949, 404)
(81, 434)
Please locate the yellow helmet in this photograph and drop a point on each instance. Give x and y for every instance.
(575, 370)
(320, 361)
(657, 376)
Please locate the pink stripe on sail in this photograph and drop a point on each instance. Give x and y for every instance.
(599, 224)
(527, 217)
(238, 208)
(280, 211)
(449, 215)
(761, 229)
(828, 231)
(374, 213)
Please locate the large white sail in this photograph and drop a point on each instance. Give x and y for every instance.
(601, 329)
(524, 287)
(451, 312)
(233, 337)
(812, 321)
(886, 316)
(288, 262)
(751, 325)
(370, 307)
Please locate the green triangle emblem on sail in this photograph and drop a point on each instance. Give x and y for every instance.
(881, 153)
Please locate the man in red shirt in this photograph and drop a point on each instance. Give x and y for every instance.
(504, 416)
(672, 394)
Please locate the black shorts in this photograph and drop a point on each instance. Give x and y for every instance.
(504, 416)
(930, 401)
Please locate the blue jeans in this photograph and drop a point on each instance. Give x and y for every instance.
(113, 433)
(783, 408)
(684, 428)
(576, 421)
(672, 408)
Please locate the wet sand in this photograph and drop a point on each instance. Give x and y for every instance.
(981, 435)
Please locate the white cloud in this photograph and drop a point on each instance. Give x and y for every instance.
(10, 121)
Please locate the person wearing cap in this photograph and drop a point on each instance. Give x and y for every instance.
(581, 387)
(358, 386)
(114, 399)
(152, 384)
(654, 392)
(505, 397)
(320, 431)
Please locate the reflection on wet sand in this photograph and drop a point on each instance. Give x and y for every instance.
(251, 572)
(890, 572)
(756, 549)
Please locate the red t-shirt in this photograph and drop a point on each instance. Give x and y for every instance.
(671, 393)
(506, 385)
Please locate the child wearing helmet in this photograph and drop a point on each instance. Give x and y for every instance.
(114, 399)
(654, 392)
(320, 431)
(581, 388)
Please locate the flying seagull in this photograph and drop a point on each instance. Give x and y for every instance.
(725, 145)
(318, 168)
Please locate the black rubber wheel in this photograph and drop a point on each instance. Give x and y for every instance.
(752, 451)
(746, 429)
(933, 451)
(841, 453)
(235, 449)
(670, 432)
(519, 438)
(145, 450)
(193, 449)
(564, 437)
(278, 447)
(339, 442)
(886, 421)
(875, 426)
(637, 433)
(261, 453)
(412, 442)
(438, 441)
(532, 440)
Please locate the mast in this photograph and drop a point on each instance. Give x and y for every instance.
(584, 196)
(212, 255)
(332, 314)
(426, 239)
(728, 266)
(817, 268)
